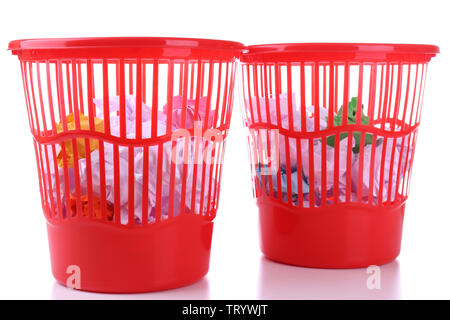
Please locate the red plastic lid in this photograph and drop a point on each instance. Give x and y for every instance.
(122, 45)
(345, 51)
(123, 42)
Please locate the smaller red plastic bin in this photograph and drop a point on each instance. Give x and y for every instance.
(332, 136)
(129, 136)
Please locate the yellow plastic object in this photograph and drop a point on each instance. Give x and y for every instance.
(81, 146)
(96, 207)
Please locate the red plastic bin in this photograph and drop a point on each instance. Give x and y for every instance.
(116, 225)
(332, 135)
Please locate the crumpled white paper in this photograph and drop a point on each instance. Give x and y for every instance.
(330, 151)
(166, 161)
(177, 109)
(392, 153)
(329, 158)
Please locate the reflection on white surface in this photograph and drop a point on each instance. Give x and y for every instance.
(280, 281)
(197, 291)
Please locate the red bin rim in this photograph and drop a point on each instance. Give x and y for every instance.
(125, 47)
(335, 47)
(124, 42)
(350, 52)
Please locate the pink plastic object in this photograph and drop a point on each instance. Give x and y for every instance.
(333, 129)
(116, 225)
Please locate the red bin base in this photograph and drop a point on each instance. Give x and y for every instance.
(118, 259)
(339, 236)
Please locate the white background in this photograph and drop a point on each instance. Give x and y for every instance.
(237, 269)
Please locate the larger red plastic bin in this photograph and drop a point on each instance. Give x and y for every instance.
(333, 130)
(93, 104)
